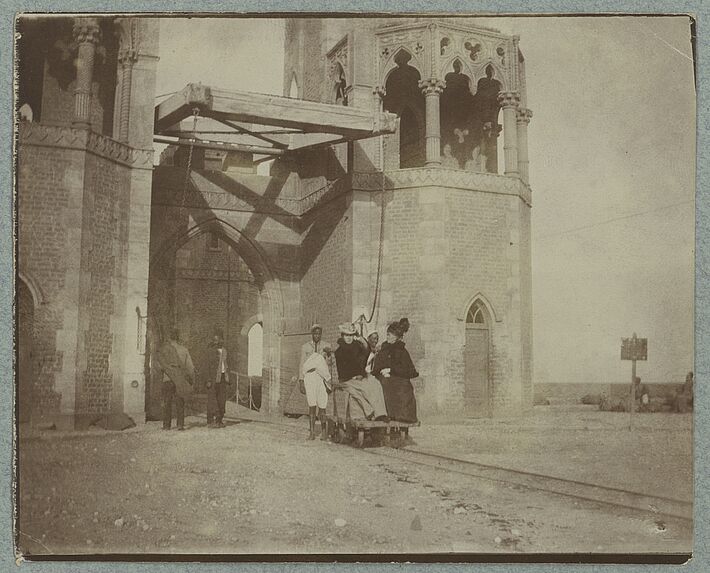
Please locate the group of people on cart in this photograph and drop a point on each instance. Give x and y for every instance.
(376, 378)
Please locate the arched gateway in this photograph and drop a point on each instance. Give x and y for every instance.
(210, 279)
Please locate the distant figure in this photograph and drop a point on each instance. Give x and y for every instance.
(447, 160)
(642, 396)
(684, 398)
(474, 162)
(217, 383)
(395, 369)
(178, 377)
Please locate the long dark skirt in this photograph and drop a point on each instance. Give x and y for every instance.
(399, 399)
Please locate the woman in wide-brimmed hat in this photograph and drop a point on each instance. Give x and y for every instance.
(395, 369)
(365, 398)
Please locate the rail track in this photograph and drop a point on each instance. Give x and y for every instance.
(578, 490)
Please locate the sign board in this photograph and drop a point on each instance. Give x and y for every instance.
(634, 348)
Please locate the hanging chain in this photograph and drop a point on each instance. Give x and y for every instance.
(382, 229)
(195, 115)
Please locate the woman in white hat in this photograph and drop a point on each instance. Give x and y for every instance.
(365, 398)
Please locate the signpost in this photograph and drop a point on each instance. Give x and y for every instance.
(633, 349)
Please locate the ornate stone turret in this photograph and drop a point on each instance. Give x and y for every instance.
(444, 242)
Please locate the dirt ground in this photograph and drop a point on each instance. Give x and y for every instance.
(255, 488)
(578, 442)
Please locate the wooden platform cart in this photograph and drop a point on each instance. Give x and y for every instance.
(342, 428)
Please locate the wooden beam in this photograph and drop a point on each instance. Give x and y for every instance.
(221, 146)
(181, 105)
(287, 112)
(241, 129)
(268, 110)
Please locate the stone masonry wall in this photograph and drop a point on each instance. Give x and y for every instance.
(326, 258)
(104, 249)
(208, 281)
(49, 201)
(442, 247)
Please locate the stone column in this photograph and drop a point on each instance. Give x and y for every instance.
(86, 34)
(523, 119)
(509, 102)
(432, 89)
(127, 57)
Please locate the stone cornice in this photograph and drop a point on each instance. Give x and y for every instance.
(37, 134)
(446, 178)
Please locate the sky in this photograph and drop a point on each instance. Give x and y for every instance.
(612, 171)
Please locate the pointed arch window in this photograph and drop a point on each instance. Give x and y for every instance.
(255, 338)
(476, 314)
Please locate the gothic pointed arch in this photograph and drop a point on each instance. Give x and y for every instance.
(404, 97)
(271, 303)
(399, 57)
(476, 302)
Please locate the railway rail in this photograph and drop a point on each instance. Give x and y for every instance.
(578, 490)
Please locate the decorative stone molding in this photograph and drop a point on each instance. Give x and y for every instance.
(524, 115)
(432, 86)
(509, 99)
(444, 178)
(86, 30)
(186, 273)
(37, 134)
(414, 38)
(339, 54)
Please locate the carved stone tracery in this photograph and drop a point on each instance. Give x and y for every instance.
(38, 134)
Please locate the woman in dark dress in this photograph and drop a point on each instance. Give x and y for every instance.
(394, 368)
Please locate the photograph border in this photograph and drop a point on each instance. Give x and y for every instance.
(698, 9)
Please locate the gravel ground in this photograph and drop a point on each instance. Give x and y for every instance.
(253, 488)
(579, 442)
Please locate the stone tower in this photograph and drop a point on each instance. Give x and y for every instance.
(85, 162)
(434, 230)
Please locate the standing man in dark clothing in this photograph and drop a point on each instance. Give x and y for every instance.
(217, 383)
(641, 396)
(178, 376)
